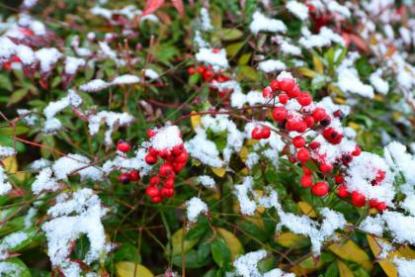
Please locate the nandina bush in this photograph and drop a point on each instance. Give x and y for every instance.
(207, 138)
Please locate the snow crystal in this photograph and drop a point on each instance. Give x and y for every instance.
(111, 119)
(401, 227)
(72, 64)
(44, 182)
(373, 225)
(206, 25)
(126, 79)
(52, 125)
(214, 57)
(406, 268)
(269, 66)
(9, 269)
(47, 57)
(166, 138)
(39, 164)
(195, 207)
(246, 265)
(324, 38)
(203, 149)
(98, 84)
(206, 181)
(298, 9)
(6, 151)
(123, 162)
(71, 163)
(349, 81)
(5, 186)
(25, 54)
(247, 205)
(151, 74)
(262, 23)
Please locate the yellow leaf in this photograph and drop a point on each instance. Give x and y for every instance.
(318, 65)
(10, 164)
(386, 264)
(307, 209)
(218, 171)
(350, 251)
(179, 245)
(129, 269)
(291, 240)
(307, 266)
(340, 100)
(195, 120)
(354, 126)
(344, 269)
(307, 72)
(232, 242)
(243, 153)
(259, 194)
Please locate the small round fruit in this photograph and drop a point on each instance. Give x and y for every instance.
(358, 199)
(134, 175)
(279, 114)
(306, 181)
(152, 191)
(123, 146)
(303, 155)
(320, 189)
(342, 191)
(124, 178)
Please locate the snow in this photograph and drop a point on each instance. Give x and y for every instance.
(242, 191)
(6, 151)
(166, 138)
(72, 64)
(69, 219)
(122, 162)
(217, 59)
(373, 225)
(111, 119)
(269, 66)
(324, 38)
(206, 181)
(203, 149)
(246, 265)
(261, 23)
(206, 25)
(44, 182)
(151, 74)
(195, 206)
(298, 9)
(98, 84)
(76, 163)
(47, 57)
(401, 227)
(5, 186)
(406, 268)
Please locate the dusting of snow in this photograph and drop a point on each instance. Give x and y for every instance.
(195, 207)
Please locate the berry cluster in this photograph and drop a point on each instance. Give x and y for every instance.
(132, 175)
(173, 159)
(296, 115)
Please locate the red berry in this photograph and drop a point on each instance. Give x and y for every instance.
(152, 191)
(306, 181)
(332, 136)
(309, 120)
(134, 175)
(326, 168)
(191, 70)
(154, 181)
(167, 192)
(358, 199)
(286, 84)
(166, 170)
(291, 125)
(169, 183)
(298, 141)
(307, 171)
(265, 132)
(319, 114)
(342, 191)
(303, 155)
(356, 152)
(301, 126)
(200, 69)
(156, 199)
(182, 158)
(267, 92)
(178, 167)
(279, 114)
(178, 149)
(314, 145)
(381, 206)
(304, 99)
(208, 75)
(339, 179)
(150, 159)
(151, 133)
(283, 98)
(373, 203)
(320, 189)
(124, 178)
(274, 85)
(123, 146)
(256, 133)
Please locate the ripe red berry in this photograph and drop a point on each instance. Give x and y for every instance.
(150, 159)
(134, 175)
(309, 120)
(342, 191)
(301, 126)
(156, 199)
(303, 155)
(319, 114)
(358, 199)
(167, 192)
(314, 145)
(166, 170)
(279, 114)
(154, 181)
(307, 171)
(256, 133)
(286, 84)
(124, 178)
(294, 92)
(356, 152)
(283, 98)
(306, 181)
(339, 179)
(150, 133)
(178, 149)
(265, 132)
(291, 125)
(267, 92)
(152, 191)
(191, 70)
(332, 136)
(298, 141)
(381, 206)
(208, 75)
(169, 183)
(320, 189)
(123, 146)
(326, 168)
(373, 203)
(182, 158)
(177, 167)
(275, 85)
(200, 69)
(304, 99)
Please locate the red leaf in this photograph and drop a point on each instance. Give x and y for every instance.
(178, 4)
(152, 6)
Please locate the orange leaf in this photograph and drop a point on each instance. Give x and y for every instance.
(152, 6)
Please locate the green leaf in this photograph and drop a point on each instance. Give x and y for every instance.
(182, 245)
(127, 252)
(234, 48)
(5, 82)
(14, 267)
(230, 34)
(220, 252)
(17, 96)
(18, 130)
